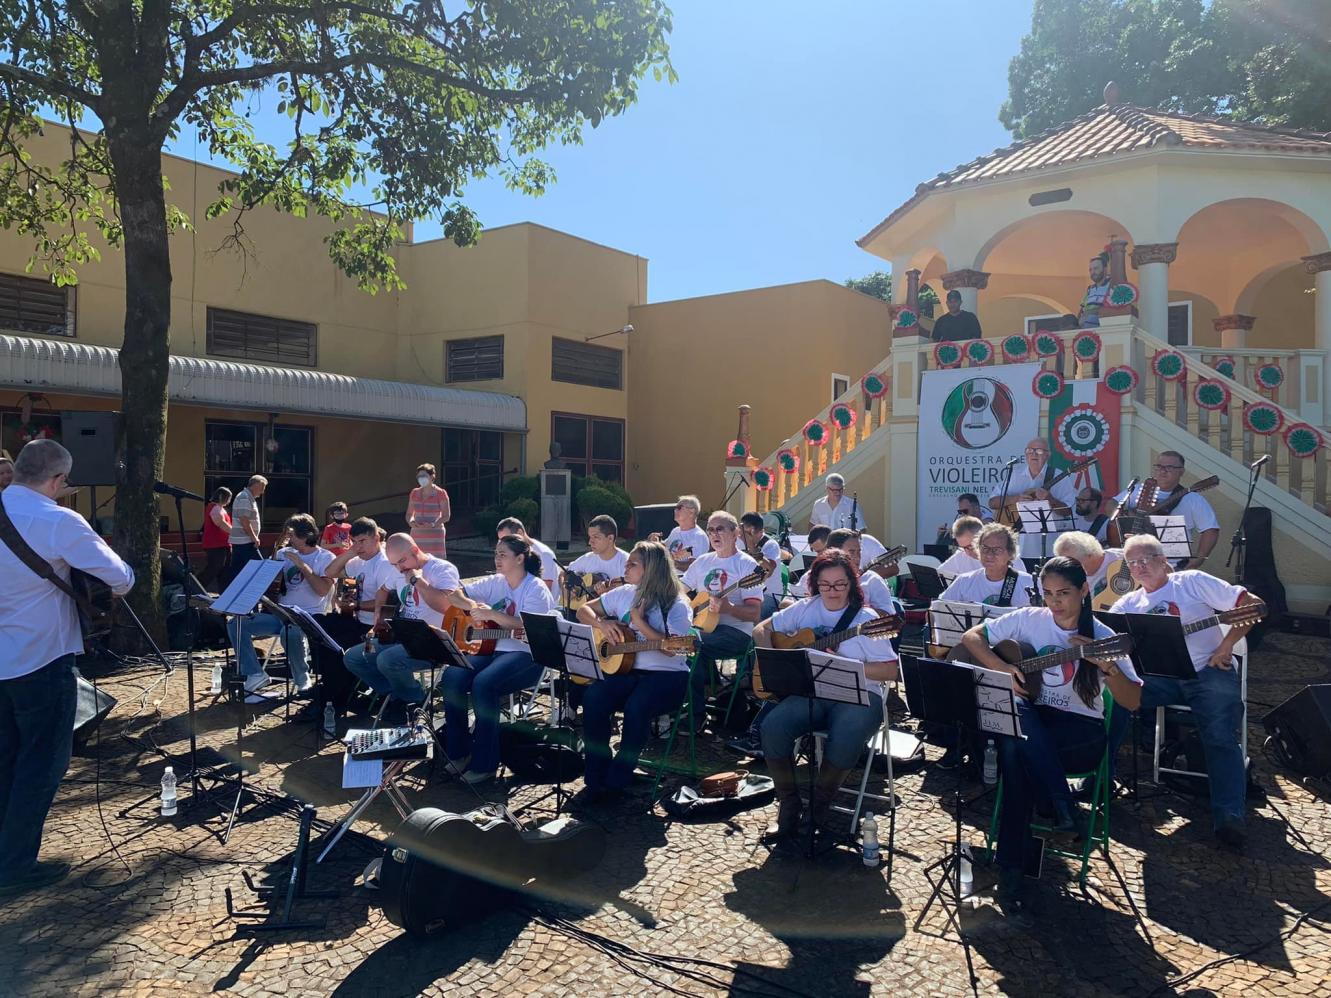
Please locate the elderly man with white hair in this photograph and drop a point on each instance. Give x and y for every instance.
(423, 583)
(39, 637)
(1093, 556)
(834, 510)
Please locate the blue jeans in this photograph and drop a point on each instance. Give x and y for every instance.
(240, 554)
(1057, 742)
(1217, 710)
(724, 642)
(641, 695)
(848, 725)
(264, 625)
(36, 739)
(489, 680)
(387, 669)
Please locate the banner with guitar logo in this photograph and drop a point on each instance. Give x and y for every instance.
(972, 423)
(1084, 424)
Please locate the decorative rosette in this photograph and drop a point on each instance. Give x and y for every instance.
(763, 479)
(1046, 344)
(842, 415)
(979, 352)
(788, 461)
(907, 318)
(874, 385)
(1016, 347)
(1263, 419)
(1210, 394)
(1121, 380)
(1086, 345)
(1225, 366)
(1269, 376)
(1047, 384)
(1169, 364)
(1302, 440)
(947, 355)
(815, 431)
(1122, 295)
(736, 448)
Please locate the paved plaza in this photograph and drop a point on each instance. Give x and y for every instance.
(674, 908)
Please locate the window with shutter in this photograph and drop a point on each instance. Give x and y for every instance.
(1180, 324)
(29, 305)
(260, 337)
(479, 358)
(586, 364)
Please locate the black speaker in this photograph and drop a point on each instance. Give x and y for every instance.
(90, 437)
(656, 518)
(1300, 730)
(92, 707)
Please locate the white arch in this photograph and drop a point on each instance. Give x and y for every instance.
(1314, 236)
(1110, 226)
(1246, 300)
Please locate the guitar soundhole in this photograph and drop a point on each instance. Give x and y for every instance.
(1121, 584)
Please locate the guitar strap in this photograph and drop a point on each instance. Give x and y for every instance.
(1009, 588)
(39, 565)
(1093, 528)
(847, 615)
(1049, 473)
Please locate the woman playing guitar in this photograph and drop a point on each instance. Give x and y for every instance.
(649, 607)
(1064, 726)
(837, 604)
(499, 601)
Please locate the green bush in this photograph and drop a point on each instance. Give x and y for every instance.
(594, 500)
(484, 522)
(528, 487)
(527, 511)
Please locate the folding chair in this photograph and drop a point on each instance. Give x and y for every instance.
(685, 710)
(1241, 659)
(878, 744)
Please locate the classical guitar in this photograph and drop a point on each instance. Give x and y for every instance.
(890, 557)
(1240, 618)
(703, 618)
(1118, 583)
(581, 588)
(879, 627)
(616, 658)
(1031, 665)
(473, 638)
(346, 597)
(1010, 508)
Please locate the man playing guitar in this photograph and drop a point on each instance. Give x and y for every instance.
(1034, 480)
(604, 562)
(1203, 527)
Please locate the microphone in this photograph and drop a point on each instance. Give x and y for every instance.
(1259, 462)
(1012, 463)
(176, 492)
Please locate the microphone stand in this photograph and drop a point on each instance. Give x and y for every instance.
(1007, 482)
(1238, 543)
(854, 511)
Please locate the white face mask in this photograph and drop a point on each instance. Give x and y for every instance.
(424, 480)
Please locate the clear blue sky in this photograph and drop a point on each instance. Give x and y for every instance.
(794, 129)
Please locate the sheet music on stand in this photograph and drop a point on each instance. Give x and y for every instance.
(1040, 527)
(250, 583)
(996, 703)
(1173, 534)
(950, 619)
(837, 678)
(578, 641)
(309, 625)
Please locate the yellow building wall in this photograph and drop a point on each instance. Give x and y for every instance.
(693, 362)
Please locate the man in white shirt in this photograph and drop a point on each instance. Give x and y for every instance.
(605, 561)
(246, 522)
(39, 637)
(307, 588)
(1094, 558)
(964, 559)
(365, 562)
(1087, 515)
(1200, 518)
(834, 509)
(1032, 480)
(1215, 695)
(767, 552)
(687, 541)
(549, 563)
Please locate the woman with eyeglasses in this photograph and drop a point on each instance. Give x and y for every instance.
(997, 583)
(1064, 727)
(838, 604)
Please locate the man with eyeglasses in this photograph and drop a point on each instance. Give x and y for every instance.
(834, 509)
(687, 540)
(1215, 695)
(1200, 518)
(1087, 516)
(1032, 480)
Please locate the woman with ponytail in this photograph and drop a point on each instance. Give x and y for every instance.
(1064, 725)
(496, 601)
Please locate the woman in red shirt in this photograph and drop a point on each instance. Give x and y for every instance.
(216, 538)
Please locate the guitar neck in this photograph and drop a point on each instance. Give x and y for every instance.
(835, 638)
(1062, 656)
(490, 633)
(886, 558)
(633, 647)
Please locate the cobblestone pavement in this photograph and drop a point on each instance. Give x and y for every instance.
(1171, 915)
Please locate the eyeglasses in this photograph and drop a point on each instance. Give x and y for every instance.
(833, 587)
(1140, 563)
(1166, 467)
(1036, 450)
(992, 552)
(833, 488)
(722, 529)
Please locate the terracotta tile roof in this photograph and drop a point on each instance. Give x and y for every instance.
(1106, 131)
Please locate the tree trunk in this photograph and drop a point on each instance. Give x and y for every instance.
(144, 363)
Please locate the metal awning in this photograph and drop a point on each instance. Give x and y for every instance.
(60, 366)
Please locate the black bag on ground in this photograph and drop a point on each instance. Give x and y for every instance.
(538, 754)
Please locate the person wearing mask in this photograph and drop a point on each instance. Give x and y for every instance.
(39, 638)
(216, 539)
(834, 509)
(428, 511)
(687, 540)
(246, 521)
(956, 323)
(337, 529)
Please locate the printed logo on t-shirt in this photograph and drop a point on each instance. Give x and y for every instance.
(410, 599)
(676, 548)
(991, 600)
(1066, 671)
(294, 576)
(715, 580)
(1169, 608)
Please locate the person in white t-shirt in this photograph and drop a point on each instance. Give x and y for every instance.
(1215, 695)
(834, 509)
(1088, 515)
(549, 563)
(1064, 727)
(767, 552)
(877, 594)
(649, 607)
(423, 584)
(366, 563)
(997, 546)
(1199, 517)
(1094, 557)
(306, 588)
(687, 540)
(713, 573)
(964, 559)
(495, 602)
(817, 541)
(838, 605)
(1034, 479)
(604, 562)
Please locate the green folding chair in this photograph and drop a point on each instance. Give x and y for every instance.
(685, 710)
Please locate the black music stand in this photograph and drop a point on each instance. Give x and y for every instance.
(429, 644)
(790, 672)
(1039, 519)
(927, 580)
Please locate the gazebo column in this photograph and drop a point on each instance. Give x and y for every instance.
(969, 283)
(1319, 266)
(1152, 262)
(1234, 330)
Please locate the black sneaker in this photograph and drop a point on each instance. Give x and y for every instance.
(1014, 899)
(1231, 833)
(42, 874)
(951, 758)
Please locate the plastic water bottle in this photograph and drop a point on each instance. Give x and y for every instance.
(217, 678)
(967, 874)
(330, 721)
(869, 841)
(990, 764)
(168, 793)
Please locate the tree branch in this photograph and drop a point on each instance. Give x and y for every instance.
(51, 86)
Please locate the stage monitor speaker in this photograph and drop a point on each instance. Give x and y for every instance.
(656, 518)
(90, 711)
(1300, 730)
(90, 437)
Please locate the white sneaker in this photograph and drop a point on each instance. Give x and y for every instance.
(306, 686)
(257, 682)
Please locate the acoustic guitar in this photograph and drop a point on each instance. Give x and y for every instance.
(1009, 514)
(1151, 505)
(581, 588)
(618, 658)
(1241, 618)
(1118, 583)
(889, 557)
(704, 619)
(1031, 664)
(879, 627)
(473, 638)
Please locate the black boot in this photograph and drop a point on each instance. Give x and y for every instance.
(825, 790)
(782, 772)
